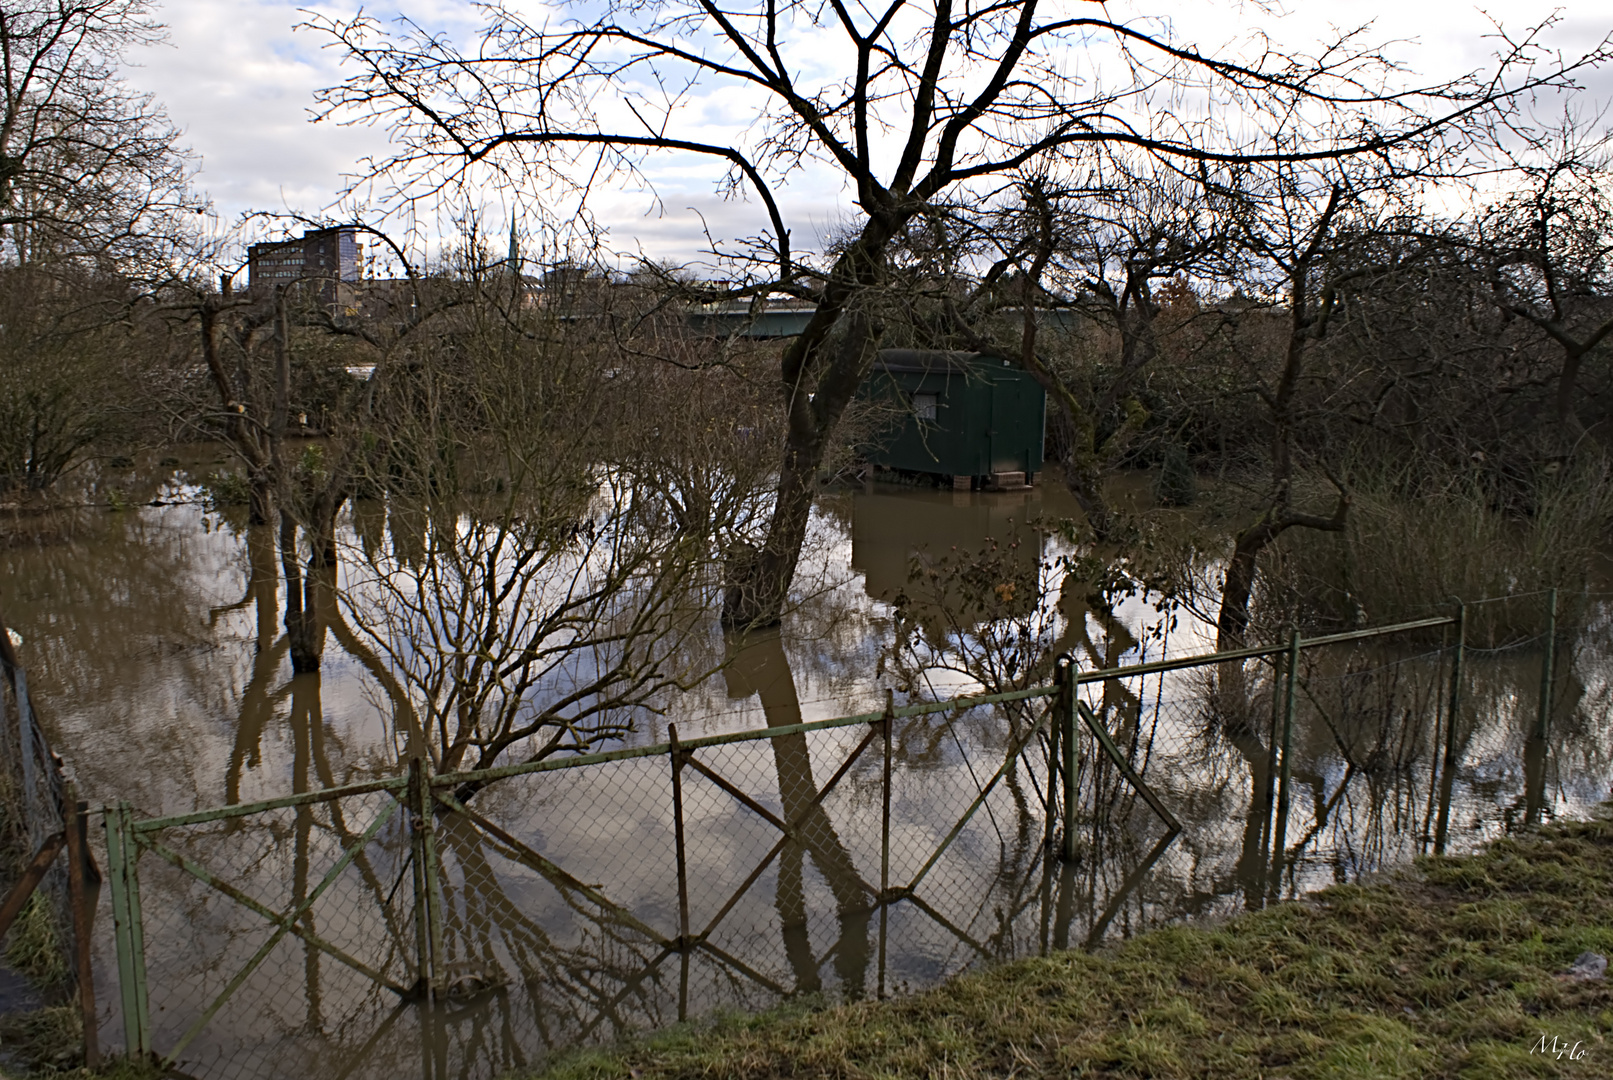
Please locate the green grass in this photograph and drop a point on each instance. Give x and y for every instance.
(1447, 969)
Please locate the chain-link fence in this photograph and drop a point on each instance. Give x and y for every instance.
(468, 923)
(47, 909)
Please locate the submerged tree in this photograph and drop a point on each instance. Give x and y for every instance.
(936, 103)
(536, 596)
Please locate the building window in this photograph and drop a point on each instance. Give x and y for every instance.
(924, 406)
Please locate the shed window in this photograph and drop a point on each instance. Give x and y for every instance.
(924, 406)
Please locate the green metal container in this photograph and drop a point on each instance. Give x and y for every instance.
(961, 414)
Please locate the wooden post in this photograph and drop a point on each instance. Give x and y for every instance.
(32, 875)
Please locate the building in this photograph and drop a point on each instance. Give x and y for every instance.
(969, 418)
(329, 258)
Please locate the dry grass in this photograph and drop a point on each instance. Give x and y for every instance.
(1410, 548)
(47, 1045)
(33, 946)
(1449, 969)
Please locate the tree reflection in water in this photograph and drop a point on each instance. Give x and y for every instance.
(560, 927)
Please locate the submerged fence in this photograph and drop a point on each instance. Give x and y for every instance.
(467, 923)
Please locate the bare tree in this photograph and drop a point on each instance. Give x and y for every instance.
(71, 349)
(937, 101)
(1550, 253)
(89, 168)
(1099, 262)
(1319, 235)
(545, 573)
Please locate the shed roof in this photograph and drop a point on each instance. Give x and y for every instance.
(930, 361)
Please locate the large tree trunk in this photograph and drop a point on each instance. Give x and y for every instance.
(1083, 476)
(1232, 622)
(759, 578)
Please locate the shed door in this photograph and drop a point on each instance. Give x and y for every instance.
(1007, 438)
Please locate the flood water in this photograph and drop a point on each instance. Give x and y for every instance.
(156, 645)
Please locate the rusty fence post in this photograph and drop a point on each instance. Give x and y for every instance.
(675, 755)
(887, 722)
(75, 818)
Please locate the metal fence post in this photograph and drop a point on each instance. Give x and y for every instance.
(1547, 663)
(430, 876)
(417, 859)
(1272, 736)
(1067, 716)
(73, 821)
(675, 756)
(887, 723)
(30, 766)
(1280, 830)
(121, 855)
(1453, 715)
(1052, 769)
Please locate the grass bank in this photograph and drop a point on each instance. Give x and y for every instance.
(1452, 968)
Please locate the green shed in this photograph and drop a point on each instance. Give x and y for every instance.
(964, 415)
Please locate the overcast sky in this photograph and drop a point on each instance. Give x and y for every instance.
(239, 79)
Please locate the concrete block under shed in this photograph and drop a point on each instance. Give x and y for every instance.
(1008, 481)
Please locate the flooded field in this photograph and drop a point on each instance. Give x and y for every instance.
(585, 904)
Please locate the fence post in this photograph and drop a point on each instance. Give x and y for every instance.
(30, 766)
(1065, 672)
(430, 879)
(1547, 663)
(1052, 765)
(675, 755)
(417, 852)
(1272, 736)
(1452, 716)
(1280, 831)
(121, 856)
(73, 821)
(888, 722)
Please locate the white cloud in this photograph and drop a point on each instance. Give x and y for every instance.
(241, 83)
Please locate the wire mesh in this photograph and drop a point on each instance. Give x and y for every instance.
(275, 941)
(33, 785)
(569, 903)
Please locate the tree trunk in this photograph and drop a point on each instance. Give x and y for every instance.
(306, 597)
(1083, 476)
(1232, 622)
(759, 578)
(260, 510)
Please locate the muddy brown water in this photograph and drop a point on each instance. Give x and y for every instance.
(155, 642)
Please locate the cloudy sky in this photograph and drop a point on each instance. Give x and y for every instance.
(239, 78)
